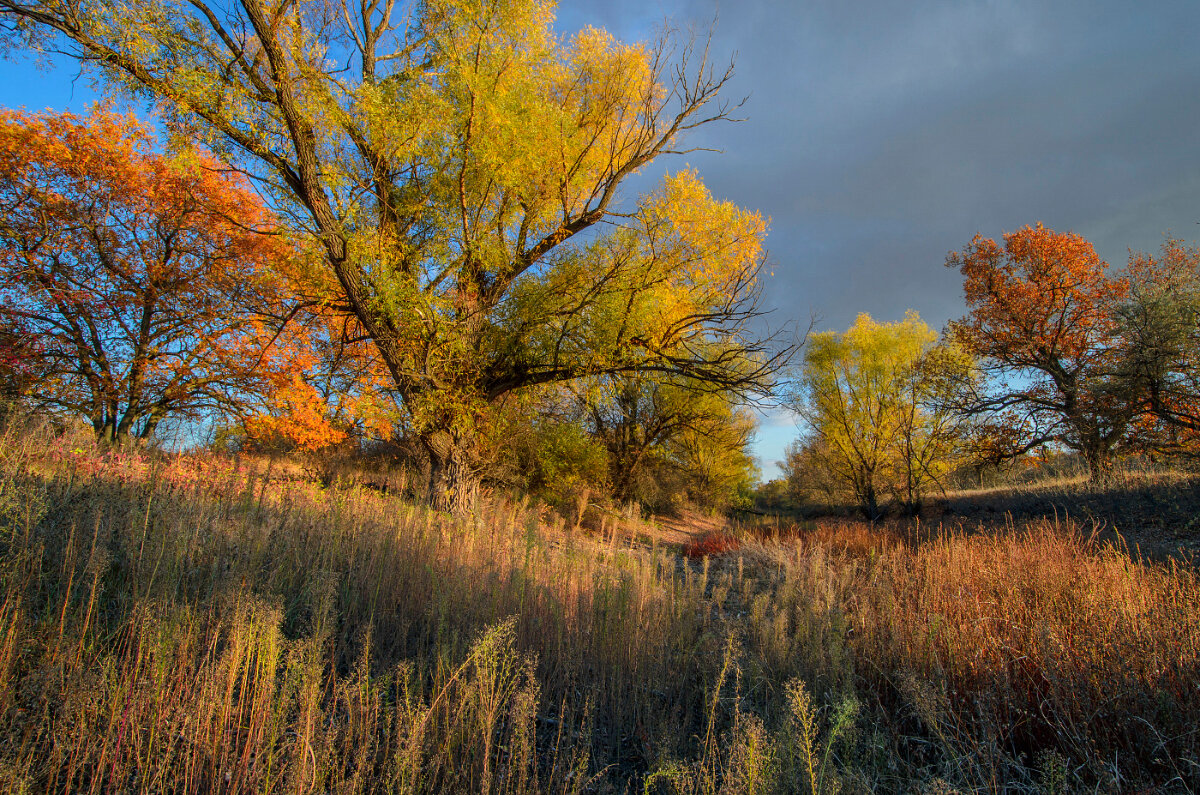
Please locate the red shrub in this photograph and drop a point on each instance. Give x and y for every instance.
(712, 544)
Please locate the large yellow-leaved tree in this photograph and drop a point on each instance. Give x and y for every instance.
(459, 163)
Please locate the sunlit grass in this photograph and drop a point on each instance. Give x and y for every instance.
(188, 624)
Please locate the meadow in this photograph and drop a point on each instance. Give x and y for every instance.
(203, 623)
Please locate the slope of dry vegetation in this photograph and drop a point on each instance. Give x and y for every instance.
(184, 624)
(1154, 509)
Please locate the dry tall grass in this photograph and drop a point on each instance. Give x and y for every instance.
(185, 624)
(996, 653)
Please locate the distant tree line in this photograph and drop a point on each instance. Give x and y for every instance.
(1057, 352)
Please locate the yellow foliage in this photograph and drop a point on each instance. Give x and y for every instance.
(875, 399)
(460, 165)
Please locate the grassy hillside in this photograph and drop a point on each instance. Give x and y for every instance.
(201, 624)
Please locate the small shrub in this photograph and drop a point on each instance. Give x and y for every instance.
(712, 544)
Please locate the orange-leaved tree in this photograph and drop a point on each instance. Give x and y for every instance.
(1043, 321)
(337, 389)
(152, 285)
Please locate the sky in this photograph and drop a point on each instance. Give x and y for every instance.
(881, 135)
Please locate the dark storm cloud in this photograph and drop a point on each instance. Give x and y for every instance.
(881, 135)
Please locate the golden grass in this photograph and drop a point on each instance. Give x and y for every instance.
(1043, 639)
(187, 624)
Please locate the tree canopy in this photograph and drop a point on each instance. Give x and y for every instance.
(660, 434)
(1043, 320)
(1159, 322)
(460, 165)
(875, 398)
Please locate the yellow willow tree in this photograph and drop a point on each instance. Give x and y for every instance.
(459, 163)
(877, 400)
(665, 440)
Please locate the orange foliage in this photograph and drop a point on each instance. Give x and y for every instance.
(302, 420)
(153, 285)
(1044, 307)
(1043, 296)
(336, 389)
(711, 545)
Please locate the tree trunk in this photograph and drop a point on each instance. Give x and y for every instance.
(106, 429)
(1099, 460)
(622, 468)
(453, 482)
(869, 501)
(150, 427)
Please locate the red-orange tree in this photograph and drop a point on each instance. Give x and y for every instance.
(149, 284)
(338, 393)
(1043, 320)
